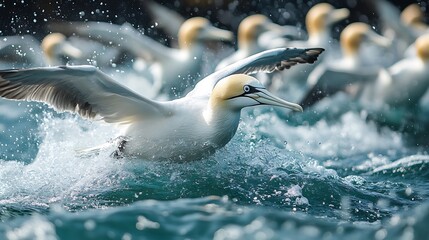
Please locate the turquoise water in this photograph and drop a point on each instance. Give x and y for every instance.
(325, 173)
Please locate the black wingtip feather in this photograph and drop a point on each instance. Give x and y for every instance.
(312, 54)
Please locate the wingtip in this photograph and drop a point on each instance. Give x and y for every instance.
(313, 54)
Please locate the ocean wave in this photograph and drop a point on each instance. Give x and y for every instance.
(208, 218)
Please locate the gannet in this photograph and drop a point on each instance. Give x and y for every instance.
(331, 77)
(404, 83)
(249, 31)
(319, 21)
(171, 70)
(183, 129)
(402, 28)
(76, 51)
(414, 17)
(55, 46)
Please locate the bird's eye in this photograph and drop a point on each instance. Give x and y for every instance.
(246, 88)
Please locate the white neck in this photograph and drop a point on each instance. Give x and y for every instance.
(224, 122)
(320, 39)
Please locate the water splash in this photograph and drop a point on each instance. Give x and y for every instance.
(56, 174)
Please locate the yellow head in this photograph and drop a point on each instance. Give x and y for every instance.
(51, 42)
(323, 15)
(412, 15)
(252, 26)
(353, 35)
(422, 47)
(238, 91)
(54, 45)
(198, 28)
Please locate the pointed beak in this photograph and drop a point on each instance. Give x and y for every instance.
(266, 98)
(338, 15)
(378, 39)
(214, 33)
(70, 50)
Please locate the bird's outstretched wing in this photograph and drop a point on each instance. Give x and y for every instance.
(81, 89)
(266, 61)
(124, 36)
(326, 81)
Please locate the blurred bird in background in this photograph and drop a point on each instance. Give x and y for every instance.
(160, 49)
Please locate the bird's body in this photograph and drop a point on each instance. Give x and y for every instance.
(414, 17)
(348, 72)
(403, 28)
(183, 129)
(404, 83)
(183, 135)
(406, 93)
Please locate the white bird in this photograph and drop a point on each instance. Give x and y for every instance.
(414, 17)
(60, 50)
(56, 47)
(404, 83)
(171, 70)
(319, 22)
(348, 72)
(407, 25)
(183, 129)
(402, 28)
(249, 31)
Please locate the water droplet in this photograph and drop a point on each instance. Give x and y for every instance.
(89, 225)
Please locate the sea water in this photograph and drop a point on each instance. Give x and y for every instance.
(283, 176)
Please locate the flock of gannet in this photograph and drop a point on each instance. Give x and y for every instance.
(171, 70)
(319, 22)
(202, 113)
(405, 82)
(348, 71)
